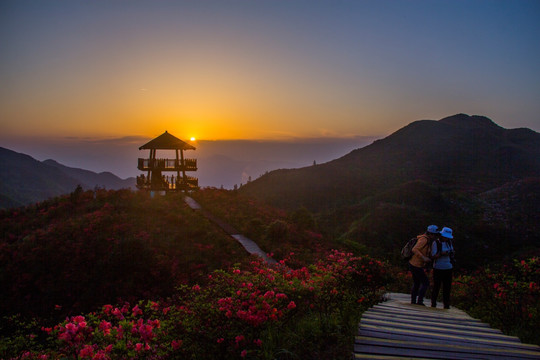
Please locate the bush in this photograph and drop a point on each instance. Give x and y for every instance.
(255, 312)
(505, 297)
(277, 231)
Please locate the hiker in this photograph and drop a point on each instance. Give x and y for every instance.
(417, 265)
(443, 259)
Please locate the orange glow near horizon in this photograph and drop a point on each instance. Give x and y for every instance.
(258, 70)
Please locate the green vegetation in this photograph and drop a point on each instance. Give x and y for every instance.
(117, 274)
(504, 296)
(91, 248)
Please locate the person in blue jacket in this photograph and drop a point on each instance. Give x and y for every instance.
(443, 263)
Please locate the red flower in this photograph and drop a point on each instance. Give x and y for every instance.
(239, 339)
(136, 311)
(86, 352)
(291, 305)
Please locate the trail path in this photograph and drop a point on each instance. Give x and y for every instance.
(395, 329)
(250, 246)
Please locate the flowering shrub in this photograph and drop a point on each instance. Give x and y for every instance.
(506, 297)
(91, 248)
(251, 312)
(272, 229)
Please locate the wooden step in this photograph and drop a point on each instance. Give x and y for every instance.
(396, 329)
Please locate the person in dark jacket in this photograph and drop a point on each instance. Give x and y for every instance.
(443, 255)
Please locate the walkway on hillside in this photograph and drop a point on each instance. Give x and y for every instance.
(395, 329)
(250, 246)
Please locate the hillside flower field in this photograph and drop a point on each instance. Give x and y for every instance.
(253, 313)
(507, 297)
(120, 275)
(116, 274)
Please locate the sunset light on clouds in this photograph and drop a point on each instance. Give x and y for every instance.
(263, 69)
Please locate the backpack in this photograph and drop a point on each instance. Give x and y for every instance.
(406, 252)
(451, 253)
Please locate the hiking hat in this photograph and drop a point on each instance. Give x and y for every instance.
(433, 229)
(447, 233)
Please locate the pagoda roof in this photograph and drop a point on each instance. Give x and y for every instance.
(167, 141)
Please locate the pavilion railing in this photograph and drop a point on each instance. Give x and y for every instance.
(167, 164)
(167, 183)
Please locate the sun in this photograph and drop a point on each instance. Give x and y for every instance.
(192, 138)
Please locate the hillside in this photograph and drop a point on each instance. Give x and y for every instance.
(120, 274)
(89, 248)
(461, 171)
(25, 180)
(466, 153)
(90, 179)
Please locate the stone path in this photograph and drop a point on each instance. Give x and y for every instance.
(250, 246)
(395, 329)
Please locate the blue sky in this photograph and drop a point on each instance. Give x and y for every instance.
(272, 70)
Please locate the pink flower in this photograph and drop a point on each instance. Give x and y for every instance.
(258, 342)
(78, 319)
(136, 311)
(71, 328)
(86, 351)
(105, 326)
(220, 340)
(291, 305)
(138, 347)
(107, 309)
(196, 288)
(243, 353)
(239, 339)
(118, 313)
(176, 344)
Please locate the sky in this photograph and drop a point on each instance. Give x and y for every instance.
(87, 72)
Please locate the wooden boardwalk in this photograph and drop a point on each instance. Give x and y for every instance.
(395, 329)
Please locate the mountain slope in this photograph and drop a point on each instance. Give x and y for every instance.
(468, 153)
(25, 180)
(463, 171)
(90, 179)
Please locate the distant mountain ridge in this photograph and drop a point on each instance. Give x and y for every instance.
(25, 180)
(465, 172)
(469, 153)
(91, 179)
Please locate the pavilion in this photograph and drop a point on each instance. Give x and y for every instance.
(157, 169)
